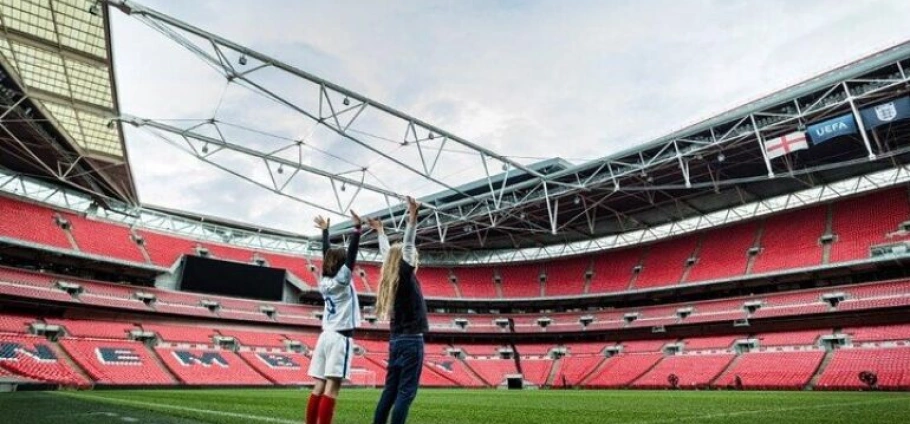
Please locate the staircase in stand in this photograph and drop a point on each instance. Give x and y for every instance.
(821, 369)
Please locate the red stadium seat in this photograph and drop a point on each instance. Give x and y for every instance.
(772, 370)
(117, 362)
(210, 367)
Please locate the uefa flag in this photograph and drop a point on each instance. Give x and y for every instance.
(785, 144)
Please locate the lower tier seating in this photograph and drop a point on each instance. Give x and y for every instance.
(118, 362)
(209, 367)
(772, 370)
(37, 359)
(891, 366)
(621, 370)
(281, 368)
(690, 371)
(493, 371)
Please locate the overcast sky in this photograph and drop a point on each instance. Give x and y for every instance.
(528, 79)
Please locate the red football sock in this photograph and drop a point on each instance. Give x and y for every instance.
(312, 408)
(326, 410)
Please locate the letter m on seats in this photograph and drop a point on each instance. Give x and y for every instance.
(206, 359)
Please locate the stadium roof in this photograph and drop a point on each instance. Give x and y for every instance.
(59, 80)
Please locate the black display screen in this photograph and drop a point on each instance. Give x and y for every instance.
(211, 276)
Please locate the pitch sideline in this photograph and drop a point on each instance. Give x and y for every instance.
(180, 408)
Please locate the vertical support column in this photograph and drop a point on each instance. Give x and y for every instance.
(859, 121)
(761, 147)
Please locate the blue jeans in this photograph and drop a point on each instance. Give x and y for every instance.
(402, 379)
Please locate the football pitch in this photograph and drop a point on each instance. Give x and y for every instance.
(458, 407)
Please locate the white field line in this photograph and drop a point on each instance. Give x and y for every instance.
(155, 405)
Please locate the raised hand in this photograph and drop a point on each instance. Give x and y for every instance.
(376, 225)
(413, 206)
(356, 219)
(321, 222)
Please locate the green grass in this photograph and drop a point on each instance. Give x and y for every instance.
(459, 407)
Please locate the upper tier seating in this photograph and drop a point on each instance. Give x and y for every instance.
(165, 250)
(693, 371)
(296, 265)
(566, 277)
(863, 222)
(520, 280)
(791, 240)
(32, 223)
(118, 362)
(36, 358)
(665, 263)
(772, 370)
(476, 282)
(104, 239)
(434, 282)
(891, 366)
(723, 253)
(612, 271)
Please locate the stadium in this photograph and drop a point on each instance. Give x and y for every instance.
(749, 267)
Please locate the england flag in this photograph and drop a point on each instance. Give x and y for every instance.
(786, 144)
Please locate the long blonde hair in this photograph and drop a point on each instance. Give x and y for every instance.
(388, 284)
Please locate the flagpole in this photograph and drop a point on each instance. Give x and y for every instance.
(861, 126)
(761, 147)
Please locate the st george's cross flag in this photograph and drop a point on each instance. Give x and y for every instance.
(786, 144)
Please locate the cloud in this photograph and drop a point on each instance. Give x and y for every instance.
(529, 79)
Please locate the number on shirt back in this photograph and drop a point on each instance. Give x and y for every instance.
(330, 305)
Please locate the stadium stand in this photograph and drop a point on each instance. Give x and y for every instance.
(865, 221)
(890, 365)
(692, 371)
(537, 371)
(790, 338)
(117, 362)
(612, 271)
(93, 328)
(435, 283)
(36, 358)
(33, 224)
(621, 370)
(104, 239)
(257, 339)
(772, 370)
(17, 324)
(711, 342)
(665, 263)
(476, 282)
(566, 277)
(281, 368)
(206, 366)
(520, 281)
(452, 369)
(879, 333)
(791, 240)
(723, 253)
(165, 250)
(177, 334)
(572, 370)
(493, 371)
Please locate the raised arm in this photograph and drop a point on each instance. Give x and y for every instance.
(409, 244)
(323, 224)
(384, 247)
(354, 243)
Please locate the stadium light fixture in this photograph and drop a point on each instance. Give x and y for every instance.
(721, 157)
(94, 9)
(346, 101)
(205, 148)
(343, 187)
(242, 59)
(577, 200)
(281, 169)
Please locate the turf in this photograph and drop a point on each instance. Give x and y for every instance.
(460, 407)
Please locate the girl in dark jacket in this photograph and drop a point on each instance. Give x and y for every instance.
(401, 301)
